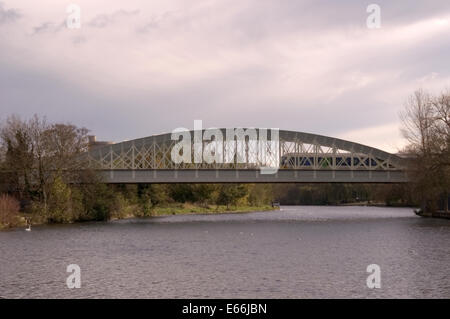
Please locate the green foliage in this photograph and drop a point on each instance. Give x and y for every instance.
(159, 194)
(335, 194)
(129, 192)
(60, 202)
(99, 201)
(231, 193)
(260, 194)
(182, 193)
(151, 195)
(122, 207)
(204, 193)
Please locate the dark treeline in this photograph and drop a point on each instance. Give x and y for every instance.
(337, 194)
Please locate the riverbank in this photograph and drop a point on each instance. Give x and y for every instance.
(166, 210)
(373, 204)
(437, 214)
(189, 209)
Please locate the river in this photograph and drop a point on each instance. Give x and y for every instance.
(297, 252)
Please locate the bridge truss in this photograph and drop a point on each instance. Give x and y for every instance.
(296, 156)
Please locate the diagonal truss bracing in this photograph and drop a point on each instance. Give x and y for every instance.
(294, 150)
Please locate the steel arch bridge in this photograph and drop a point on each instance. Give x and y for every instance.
(296, 157)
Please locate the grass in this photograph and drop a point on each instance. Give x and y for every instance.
(187, 208)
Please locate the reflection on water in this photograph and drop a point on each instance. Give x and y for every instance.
(298, 252)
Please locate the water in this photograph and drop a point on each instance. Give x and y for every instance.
(298, 252)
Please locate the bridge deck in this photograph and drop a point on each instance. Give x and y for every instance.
(163, 176)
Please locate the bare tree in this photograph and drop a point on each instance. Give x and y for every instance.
(417, 118)
(17, 156)
(441, 106)
(35, 152)
(426, 127)
(442, 133)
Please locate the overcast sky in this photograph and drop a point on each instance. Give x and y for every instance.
(137, 68)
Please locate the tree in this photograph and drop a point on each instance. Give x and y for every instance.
(426, 126)
(9, 211)
(35, 152)
(260, 194)
(231, 193)
(182, 193)
(99, 201)
(203, 193)
(17, 157)
(59, 204)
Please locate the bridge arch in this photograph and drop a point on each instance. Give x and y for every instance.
(296, 153)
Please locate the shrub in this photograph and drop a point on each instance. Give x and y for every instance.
(231, 194)
(59, 204)
(98, 201)
(122, 207)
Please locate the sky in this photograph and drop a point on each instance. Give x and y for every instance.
(138, 68)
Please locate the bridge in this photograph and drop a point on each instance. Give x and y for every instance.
(291, 157)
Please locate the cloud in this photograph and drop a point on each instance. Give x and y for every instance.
(386, 136)
(156, 21)
(8, 15)
(104, 20)
(149, 67)
(99, 21)
(48, 27)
